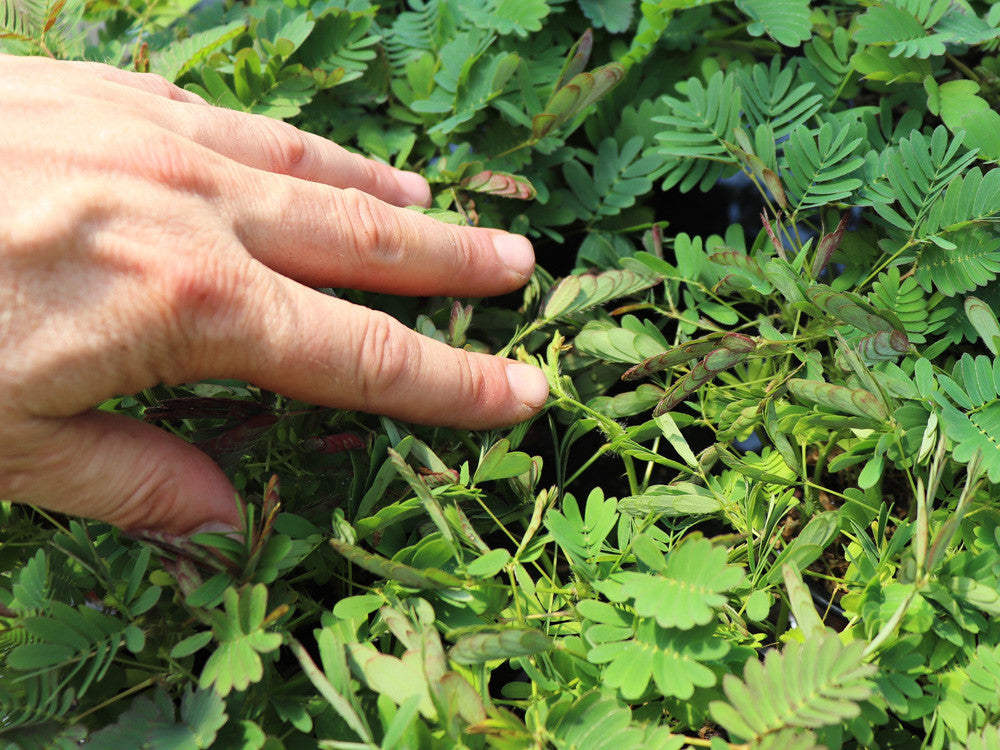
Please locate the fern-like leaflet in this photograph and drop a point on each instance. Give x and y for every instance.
(810, 685)
(697, 131)
(961, 250)
(975, 386)
(819, 165)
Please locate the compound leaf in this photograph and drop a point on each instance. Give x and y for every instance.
(812, 684)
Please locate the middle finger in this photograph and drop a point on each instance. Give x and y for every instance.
(326, 236)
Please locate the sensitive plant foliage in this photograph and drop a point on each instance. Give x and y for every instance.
(758, 511)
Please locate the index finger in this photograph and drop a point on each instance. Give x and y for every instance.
(258, 141)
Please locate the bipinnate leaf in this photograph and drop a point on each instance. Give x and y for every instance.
(508, 643)
(613, 15)
(670, 500)
(672, 658)
(178, 57)
(575, 293)
(599, 721)
(811, 684)
(583, 90)
(150, 722)
(688, 590)
(785, 21)
(236, 663)
(632, 341)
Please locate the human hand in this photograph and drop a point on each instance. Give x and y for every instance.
(146, 237)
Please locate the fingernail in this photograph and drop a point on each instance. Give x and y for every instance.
(415, 189)
(516, 253)
(215, 527)
(528, 384)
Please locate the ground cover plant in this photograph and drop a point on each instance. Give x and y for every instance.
(757, 511)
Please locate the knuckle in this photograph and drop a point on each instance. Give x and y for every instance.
(167, 160)
(160, 86)
(377, 232)
(199, 300)
(285, 147)
(150, 501)
(386, 360)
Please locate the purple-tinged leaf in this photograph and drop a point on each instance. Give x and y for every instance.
(670, 358)
(503, 184)
(778, 247)
(336, 443)
(773, 183)
(739, 343)
(576, 293)
(850, 309)
(202, 407)
(439, 478)
(736, 259)
(729, 342)
(722, 359)
(827, 246)
(576, 59)
(458, 323)
(583, 90)
(239, 439)
(856, 401)
(883, 346)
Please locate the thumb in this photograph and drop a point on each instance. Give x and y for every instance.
(116, 469)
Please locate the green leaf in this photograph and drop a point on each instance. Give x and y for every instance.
(697, 131)
(785, 21)
(849, 308)
(151, 723)
(489, 564)
(509, 643)
(190, 645)
(568, 101)
(181, 55)
(801, 603)
(497, 463)
(984, 320)
(672, 658)
(576, 293)
(672, 500)
(613, 15)
(430, 578)
(819, 165)
(688, 590)
(510, 16)
(236, 663)
(332, 650)
(813, 684)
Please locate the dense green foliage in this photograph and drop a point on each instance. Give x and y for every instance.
(775, 532)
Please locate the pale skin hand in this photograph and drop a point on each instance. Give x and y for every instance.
(147, 237)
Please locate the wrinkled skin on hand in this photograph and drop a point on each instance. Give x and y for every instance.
(147, 237)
